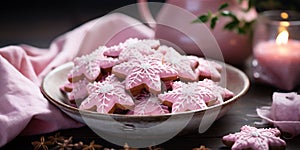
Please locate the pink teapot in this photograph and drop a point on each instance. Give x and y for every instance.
(173, 24)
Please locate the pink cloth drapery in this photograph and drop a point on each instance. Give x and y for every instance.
(23, 109)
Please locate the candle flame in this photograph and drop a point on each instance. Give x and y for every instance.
(282, 37)
(284, 15)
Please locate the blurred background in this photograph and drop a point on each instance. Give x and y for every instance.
(38, 22)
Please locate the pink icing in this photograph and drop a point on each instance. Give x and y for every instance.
(105, 95)
(129, 49)
(220, 92)
(180, 63)
(206, 68)
(115, 50)
(149, 104)
(79, 90)
(258, 139)
(147, 70)
(135, 51)
(188, 96)
(90, 65)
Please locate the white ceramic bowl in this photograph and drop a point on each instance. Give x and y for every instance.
(143, 131)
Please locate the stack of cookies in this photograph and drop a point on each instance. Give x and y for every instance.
(143, 77)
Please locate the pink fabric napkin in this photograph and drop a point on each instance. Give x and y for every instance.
(23, 109)
(284, 112)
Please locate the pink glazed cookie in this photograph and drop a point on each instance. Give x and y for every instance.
(194, 95)
(131, 46)
(187, 96)
(149, 104)
(181, 63)
(206, 68)
(107, 96)
(89, 66)
(144, 73)
(255, 139)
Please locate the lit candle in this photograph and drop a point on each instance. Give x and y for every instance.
(279, 60)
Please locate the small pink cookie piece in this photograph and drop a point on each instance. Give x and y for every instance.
(206, 68)
(256, 139)
(107, 96)
(187, 96)
(145, 72)
(90, 65)
(149, 104)
(180, 63)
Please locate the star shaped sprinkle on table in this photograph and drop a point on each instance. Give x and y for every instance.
(89, 66)
(187, 96)
(144, 73)
(253, 138)
(149, 104)
(180, 63)
(107, 96)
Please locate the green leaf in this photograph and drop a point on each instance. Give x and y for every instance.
(203, 18)
(241, 30)
(223, 6)
(231, 25)
(213, 22)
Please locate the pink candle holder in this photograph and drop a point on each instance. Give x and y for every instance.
(276, 49)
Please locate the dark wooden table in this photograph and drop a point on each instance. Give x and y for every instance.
(38, 24)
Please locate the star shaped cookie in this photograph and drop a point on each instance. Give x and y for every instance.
(145, 73)
(89, 66)
(253, 138)
(107, 96)
(187, 96)
(180, 63)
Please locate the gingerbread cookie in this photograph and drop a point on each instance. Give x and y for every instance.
(255, 139)
(149, 104)
(222, 93)
(131, 46)
(89, 66)
(180, 63)
(206, 68)
(135, 51)
(187, 96)
(144, 73)
(107, 96)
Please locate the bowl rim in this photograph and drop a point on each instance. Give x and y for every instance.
(61, 104)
